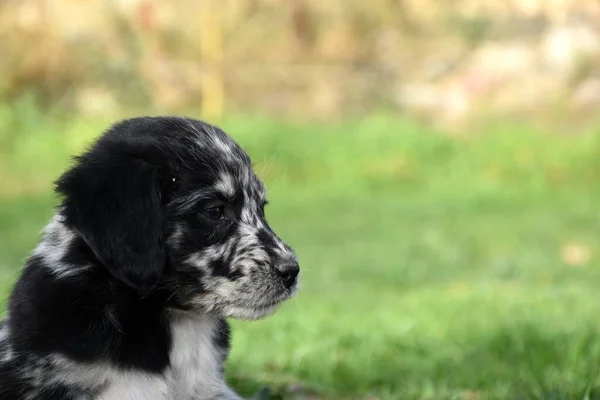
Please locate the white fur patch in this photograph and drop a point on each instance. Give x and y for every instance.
(195, 371)
(223, 147)
(226, 184)
(54, 246)
(6, 351)
(113, 383)
(137, 386)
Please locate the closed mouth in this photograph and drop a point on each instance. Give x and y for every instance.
(268, 304)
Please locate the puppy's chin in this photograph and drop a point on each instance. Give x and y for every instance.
(250, 313)
(227, 302)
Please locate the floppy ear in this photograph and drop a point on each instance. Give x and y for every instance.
(113, 200)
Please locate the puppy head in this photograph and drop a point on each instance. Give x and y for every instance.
(172, 204)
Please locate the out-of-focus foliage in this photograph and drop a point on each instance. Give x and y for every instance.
(447, 61)
(433, 266)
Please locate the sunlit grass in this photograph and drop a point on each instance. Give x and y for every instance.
(433, 267)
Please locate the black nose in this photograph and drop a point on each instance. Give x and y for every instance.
(289, 271)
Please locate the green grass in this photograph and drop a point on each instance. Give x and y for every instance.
(432, 266)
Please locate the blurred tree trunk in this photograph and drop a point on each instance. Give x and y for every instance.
(211, 47)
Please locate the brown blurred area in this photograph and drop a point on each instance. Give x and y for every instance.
(443, 60)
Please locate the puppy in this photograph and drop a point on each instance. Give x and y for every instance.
(161, 235)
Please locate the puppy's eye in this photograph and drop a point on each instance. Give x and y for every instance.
(215, 213)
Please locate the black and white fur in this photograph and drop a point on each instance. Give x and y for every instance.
(161, 236)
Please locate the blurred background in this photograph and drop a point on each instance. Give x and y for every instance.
(434, 163)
